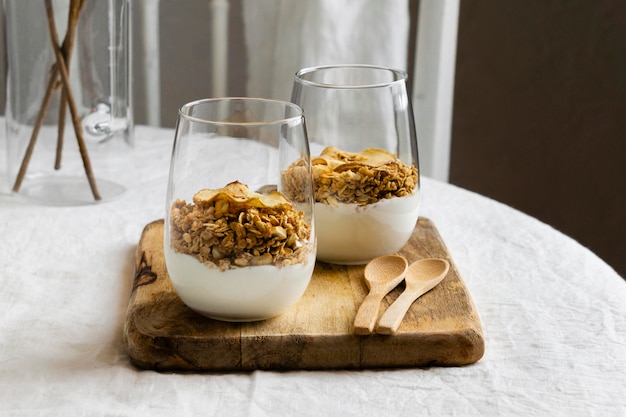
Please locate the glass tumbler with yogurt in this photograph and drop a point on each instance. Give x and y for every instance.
(364, 159)
(239, 238)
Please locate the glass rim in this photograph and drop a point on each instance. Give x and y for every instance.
(401, 76)
(196, 103)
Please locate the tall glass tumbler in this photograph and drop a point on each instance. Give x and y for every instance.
(364, 159)
(239, 237)
(69, 119)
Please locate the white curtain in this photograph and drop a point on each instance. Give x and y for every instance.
(283, 36)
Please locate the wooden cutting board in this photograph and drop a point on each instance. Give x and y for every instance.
(441, 328)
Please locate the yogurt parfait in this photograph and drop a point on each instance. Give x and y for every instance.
(366, 204)
(237, 255)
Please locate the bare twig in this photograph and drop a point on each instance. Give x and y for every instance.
(62, 68)
(67, 48)
(43, 110)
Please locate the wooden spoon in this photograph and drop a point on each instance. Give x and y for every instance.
(422, 276)
(382, 274)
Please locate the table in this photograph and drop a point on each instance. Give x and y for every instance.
(553, 313)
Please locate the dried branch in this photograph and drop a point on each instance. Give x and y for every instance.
(62, 68)
(67, 48)
(43, 110)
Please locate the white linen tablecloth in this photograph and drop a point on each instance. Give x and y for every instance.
(553, 313)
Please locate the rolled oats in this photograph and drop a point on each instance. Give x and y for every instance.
(353, 178)
(235, 227)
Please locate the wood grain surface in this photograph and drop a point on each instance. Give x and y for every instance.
(442, 328)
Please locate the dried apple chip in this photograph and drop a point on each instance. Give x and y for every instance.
(240, 194)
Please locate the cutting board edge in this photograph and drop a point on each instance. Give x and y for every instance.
(467, 346)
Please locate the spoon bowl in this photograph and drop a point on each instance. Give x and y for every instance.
(382, 274)
(421, 277)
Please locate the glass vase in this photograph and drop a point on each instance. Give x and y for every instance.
(69, 123)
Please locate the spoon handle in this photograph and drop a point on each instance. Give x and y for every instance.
(390, 321)
(368, 313)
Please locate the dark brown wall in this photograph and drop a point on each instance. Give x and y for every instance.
(540, 114)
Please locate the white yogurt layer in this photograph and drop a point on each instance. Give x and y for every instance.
(351, 234)
(238, 294)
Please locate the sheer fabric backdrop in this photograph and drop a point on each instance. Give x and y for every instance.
(284, 36)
